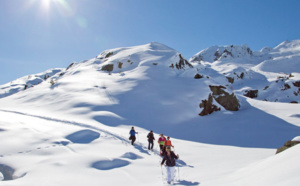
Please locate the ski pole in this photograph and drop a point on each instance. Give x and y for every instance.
(162, 175)
(178, 173)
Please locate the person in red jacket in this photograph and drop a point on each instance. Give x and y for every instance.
(161, 142)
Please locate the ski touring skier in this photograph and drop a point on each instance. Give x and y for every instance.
(161, 142)
(170, 160)
(150, 137)
(132, 135)
(168, 142)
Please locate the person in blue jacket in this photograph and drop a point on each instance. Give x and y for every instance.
(132, 135)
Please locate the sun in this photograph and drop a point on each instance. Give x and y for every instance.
(46, 4)
(63, 5)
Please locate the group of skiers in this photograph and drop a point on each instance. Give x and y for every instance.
(165, 144)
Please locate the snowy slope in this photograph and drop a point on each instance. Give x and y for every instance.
(51, 151)
(73, 127)
(27, 82)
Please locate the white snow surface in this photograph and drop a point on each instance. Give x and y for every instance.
(72, 127)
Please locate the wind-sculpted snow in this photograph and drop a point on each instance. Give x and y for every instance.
(132, 156)
(83, 136)
(110, 164)
(8, 173)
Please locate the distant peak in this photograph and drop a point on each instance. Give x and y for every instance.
(289, 44)
(159, 46)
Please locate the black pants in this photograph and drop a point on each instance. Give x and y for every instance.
(132, 140)
(150, 143)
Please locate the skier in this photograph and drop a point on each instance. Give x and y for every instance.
(167, 143)
(170, 159)
(161, 142)
(132, 135)
(150, 137)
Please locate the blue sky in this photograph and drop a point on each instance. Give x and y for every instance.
(36, 35)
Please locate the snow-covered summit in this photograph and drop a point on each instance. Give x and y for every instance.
(215, 53)
(289, 46)
(122, 59)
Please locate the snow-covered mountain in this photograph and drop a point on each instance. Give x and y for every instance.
(272, 73)
(78, 118)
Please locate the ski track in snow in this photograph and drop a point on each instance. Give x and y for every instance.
(138, 145)
(102, 164)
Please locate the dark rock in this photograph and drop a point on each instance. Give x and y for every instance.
(296, 84)
(286, 87)
(287, 145)
(198, 76)
(109, 54)
(181, 64)
(120, 64)
(230, 79)
(251, 93)
(208, 106)
(70, 66)
(228, 101)
(217, 90)
(217, 55)
(109, 67)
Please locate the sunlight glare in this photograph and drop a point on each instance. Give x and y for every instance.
(46, 4)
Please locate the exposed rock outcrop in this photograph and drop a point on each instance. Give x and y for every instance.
(251, 93)
(181, 63)
(198, 76)
(287, 145)
(208, 106)
(108, 67)
(296, 84)
(228, 101)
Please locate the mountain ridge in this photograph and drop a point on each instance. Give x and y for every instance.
(154, 87)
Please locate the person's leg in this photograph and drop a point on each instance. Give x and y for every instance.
(151, 145)
(172, 171)
(169, 174)
(133, 140)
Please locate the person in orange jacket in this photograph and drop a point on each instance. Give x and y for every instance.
(168, 142)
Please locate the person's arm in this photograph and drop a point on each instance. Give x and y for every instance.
(175, 156)
(163, 161)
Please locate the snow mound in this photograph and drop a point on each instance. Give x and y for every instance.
(83, 136)
(276, 170)
(110, 164)
(296, 138)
